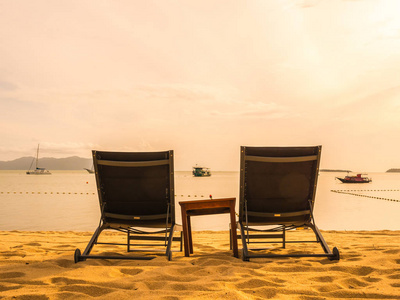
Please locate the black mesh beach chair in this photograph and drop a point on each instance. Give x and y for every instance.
(136, 195)
(277, 193)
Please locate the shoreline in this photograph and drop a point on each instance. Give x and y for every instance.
(40, 265)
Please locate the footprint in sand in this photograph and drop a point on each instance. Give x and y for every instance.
(360, 271)
(189, 287)
(328, 288)
(34, 244)
(278, 280)
(155, 285)
(90, 290)
(4, 288)
(8, 275)
(131, 272)
(256, 283)
(354, 259)
(354, 283)
(372, 279)
(353, 256)
(324, 278)
(65, 263)
(13, 253)
(392, 251)
(205, 262)
(66, 281)
(64, 247)
(179, 271)
(31, 297)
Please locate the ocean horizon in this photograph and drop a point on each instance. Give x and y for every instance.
(67, 200)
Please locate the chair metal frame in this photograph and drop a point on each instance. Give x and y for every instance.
(282, 220)
(134, 225)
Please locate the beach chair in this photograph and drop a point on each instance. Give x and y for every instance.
(277, 194)
(136, 195)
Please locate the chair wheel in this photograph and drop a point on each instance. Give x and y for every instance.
(77, 255)
(336, 254)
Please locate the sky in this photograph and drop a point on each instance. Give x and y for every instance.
(202, 78)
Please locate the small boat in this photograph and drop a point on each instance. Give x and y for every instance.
(355, 179)
(37, 170)
(91, 171)
(201, 171)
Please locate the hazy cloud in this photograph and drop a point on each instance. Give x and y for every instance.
(254, 110)
(307, 3)
(201, 77)
(7, 86)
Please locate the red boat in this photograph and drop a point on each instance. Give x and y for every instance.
(355, 179)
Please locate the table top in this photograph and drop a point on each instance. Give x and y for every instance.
(207, 201)
(209, 206)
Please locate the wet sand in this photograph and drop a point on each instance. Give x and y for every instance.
(40, 265)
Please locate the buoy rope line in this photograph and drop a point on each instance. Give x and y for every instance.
(76, 193)
(398, 190)
(348, 192)
(188, 196)
(366, 196)
(50, 193)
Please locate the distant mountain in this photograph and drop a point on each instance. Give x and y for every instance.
(50, 163)
(393, 171)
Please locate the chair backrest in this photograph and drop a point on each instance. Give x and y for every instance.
(278, 184)
(136, 186)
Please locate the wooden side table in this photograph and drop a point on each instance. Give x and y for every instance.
(207, 207)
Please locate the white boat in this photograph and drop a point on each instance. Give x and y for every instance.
(37, 170)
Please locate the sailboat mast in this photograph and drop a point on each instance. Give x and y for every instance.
(37, 156)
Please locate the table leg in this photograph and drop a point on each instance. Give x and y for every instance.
(234, 232)
(185, 232)
(190, 234)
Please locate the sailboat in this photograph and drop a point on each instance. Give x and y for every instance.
(37, 171)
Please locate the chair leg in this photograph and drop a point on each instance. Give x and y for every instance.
(181, 247)
(284, 237)
(334, 254)
(320, 239)
(245, 251)
(230, 237)
(169, 245)
(78, 257)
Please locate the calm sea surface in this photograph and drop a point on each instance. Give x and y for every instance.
(67, 200)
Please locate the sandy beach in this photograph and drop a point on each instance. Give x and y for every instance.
(40, 265)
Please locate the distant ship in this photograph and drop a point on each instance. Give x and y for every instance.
(355, 179)
(37, 170)
(201, 171)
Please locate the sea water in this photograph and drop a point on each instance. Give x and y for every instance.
(67, 200)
